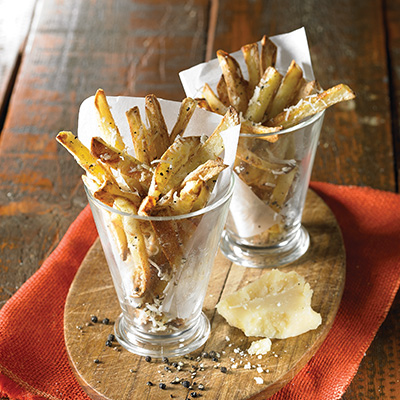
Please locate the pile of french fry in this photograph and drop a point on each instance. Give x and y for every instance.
(169, 175)
(268, 102)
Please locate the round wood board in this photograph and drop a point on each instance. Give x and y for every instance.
(120, 375)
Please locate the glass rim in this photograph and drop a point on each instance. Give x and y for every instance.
(299, 126)
(227, 195)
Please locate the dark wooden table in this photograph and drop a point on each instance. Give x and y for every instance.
(55, 53)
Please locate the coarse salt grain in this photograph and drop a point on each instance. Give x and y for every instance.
(259, 380)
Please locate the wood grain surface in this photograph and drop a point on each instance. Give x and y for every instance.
(15, 24)
(121, 375)
(136, 47)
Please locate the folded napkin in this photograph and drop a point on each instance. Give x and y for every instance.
(33, 358)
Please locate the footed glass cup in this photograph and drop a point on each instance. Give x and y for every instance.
(160, 268)
(264, 227)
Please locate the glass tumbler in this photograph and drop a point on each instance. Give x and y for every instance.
(160, 268)
(264, 227)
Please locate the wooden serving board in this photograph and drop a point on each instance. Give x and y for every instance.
(120, 375)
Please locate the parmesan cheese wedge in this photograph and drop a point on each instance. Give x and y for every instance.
(277, 305)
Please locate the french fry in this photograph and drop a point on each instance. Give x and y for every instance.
(213, 101)
(306, 89)
(251, 58)
(170, 240)
(209, 170)
(254, 176)
(185, 114)
(106, 121)
(94, 187)
(165, 176)
(246, 155)
(140, 267)
(119, 235)
(147, 205)
(287, 90)
(212, 147)
(166, 231)
(281, 190)
(222, 91)
(311, 105)
(114, 220)
(91, 184)
(202, 103)
(235, 83)
(274, 185)
(193, 194)
(145, 152)
(83, 156)
(108, 191)
(181, 200)
(158, 132)
(258, 129)
(268, 54)
(136, 175)
(263, 95)
(183, 203)
(202, 198)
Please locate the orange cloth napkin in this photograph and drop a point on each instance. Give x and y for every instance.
(33, 358)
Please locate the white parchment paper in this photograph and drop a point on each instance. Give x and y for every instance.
(250, 215)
